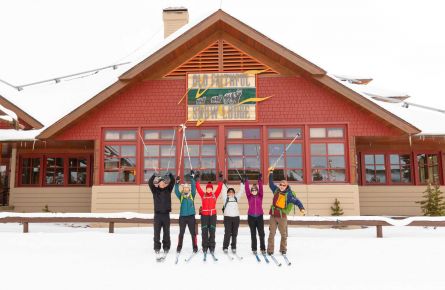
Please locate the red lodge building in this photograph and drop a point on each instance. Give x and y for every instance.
(243, 99)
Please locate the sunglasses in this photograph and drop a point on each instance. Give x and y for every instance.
(282, 184)
(254, 190)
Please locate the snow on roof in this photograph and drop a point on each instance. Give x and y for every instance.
(429, 122)
(50, 106)
(19, 135)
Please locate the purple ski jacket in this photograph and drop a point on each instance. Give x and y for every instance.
(255, 201)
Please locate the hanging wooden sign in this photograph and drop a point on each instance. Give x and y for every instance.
(221, 96)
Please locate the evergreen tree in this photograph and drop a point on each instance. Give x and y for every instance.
(336, 209)
(46, 208)
(433, 203)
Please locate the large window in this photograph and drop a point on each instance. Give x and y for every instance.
(428, 168)
(159, 152)
(77, 171)
(375, 172)
(30, 171)
(387, 168)
(288, 164)
(120, 156)
(243, 153)
(58, 170)
(54, 171)
(400, 168)
(202, 147)
(327, 149)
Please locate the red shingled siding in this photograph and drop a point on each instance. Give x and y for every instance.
(298, 100)
(295, 100)
(143, 104)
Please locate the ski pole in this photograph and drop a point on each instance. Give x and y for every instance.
(227, 153)
(287, 148)
(180, 153)
(187, 146)
(170, 151)
(146, 150)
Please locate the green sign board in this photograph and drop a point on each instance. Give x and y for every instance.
(221, 97)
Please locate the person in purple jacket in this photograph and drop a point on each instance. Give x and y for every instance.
(255, 213)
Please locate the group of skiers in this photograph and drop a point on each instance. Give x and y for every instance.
(162, 187)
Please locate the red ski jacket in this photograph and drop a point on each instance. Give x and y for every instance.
(209, 200)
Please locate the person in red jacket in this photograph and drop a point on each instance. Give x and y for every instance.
(208, 212)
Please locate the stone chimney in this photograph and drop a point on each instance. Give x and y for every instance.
(174, 18)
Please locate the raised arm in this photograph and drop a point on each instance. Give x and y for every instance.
(177, 192)
(193, 185)
(260, 186)
(199, 189)
(223, 192)
(151, 183)
(172, 182)
(240, 191)
(247, 188)
(218, 189)
(272, 185)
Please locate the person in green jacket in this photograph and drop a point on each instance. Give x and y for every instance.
(186, 196)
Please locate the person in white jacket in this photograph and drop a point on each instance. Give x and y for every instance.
(231, 215)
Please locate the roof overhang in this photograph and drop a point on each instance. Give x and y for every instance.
(197, 37)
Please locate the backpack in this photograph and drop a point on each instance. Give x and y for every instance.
(227, 201)
(282, 205)
(289, 206)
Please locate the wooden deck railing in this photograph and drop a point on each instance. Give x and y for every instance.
(379, 222)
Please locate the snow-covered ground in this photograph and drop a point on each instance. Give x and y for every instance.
(62, 257)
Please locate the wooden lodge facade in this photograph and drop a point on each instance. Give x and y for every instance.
(99, 157)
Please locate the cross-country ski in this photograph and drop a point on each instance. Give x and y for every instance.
(275, 260)
(257, 257)
(286, 259)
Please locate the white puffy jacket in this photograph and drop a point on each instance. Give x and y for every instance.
(232, 208)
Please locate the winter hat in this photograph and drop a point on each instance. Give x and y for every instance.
(230, 189)
(209, 185)
(157, 179)
(185, 185)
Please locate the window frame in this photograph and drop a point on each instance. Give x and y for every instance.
(416, 167)
(200, 143)
(20, 171)
(286, 141)
(385, 165)
(43, 159)
(159, 142)
(104, 143)
(327, 140)
(243, 141)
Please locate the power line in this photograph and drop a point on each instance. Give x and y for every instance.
(58, 79)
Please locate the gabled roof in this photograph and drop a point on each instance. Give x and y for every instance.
(22, 115)
(193, 38)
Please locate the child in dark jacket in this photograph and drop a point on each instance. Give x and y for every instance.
(161, 187)
(187, 211)
(255, 213)
(208, 213)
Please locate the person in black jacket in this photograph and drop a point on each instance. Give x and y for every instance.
(161, 188)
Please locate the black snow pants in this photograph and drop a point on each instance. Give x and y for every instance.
(231, 225)
(256, 224)
(187, 221)
(208, 228)
(162, 221)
